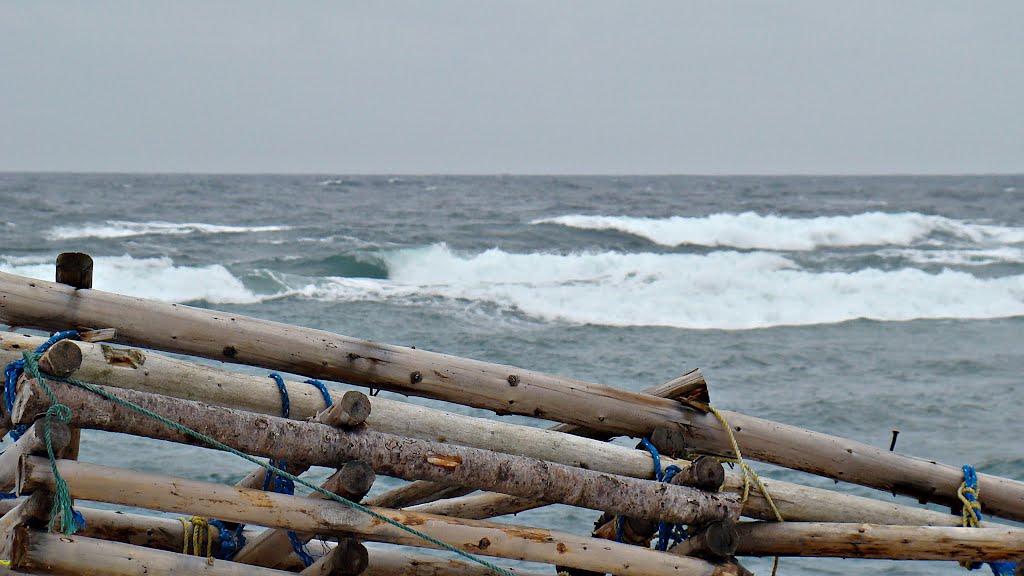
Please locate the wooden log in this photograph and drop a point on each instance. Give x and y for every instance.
(40, 552)
(714, 541)
(26, 510)
(233, 504)
(147, 371)
(503, 389)
(879, 541)
(32, 442)
(348, 558)
(271, 547)
(690, 385)
(705, 472)
(63, 358)
(74, 269)
(407, 458)
(399, 562)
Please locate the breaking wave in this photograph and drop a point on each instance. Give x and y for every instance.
(749, 230)
(156, 278)
(125, 229)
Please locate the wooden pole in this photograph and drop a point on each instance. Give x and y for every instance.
(148, 371)
(233, 504)
(73, 269)
(32, 442)
(26, 510)
(166, 534)
(272, 546)
(503, 389)
(408, 458)
(879, 541)
(75, 555)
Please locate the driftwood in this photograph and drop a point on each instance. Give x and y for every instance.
(879, 541)
(715, 541)
(147, 371)
(34, 551)
(25, 511)
(233, 504)
(503, 389)
(278, 438)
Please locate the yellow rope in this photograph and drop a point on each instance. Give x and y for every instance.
(193, 529)
(969, 514)
(748, 474)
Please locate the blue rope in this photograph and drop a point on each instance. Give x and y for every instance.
(323, 390)
(230, 543)
(969, 492)
(13, 370)
(283, 485)
(667, 531)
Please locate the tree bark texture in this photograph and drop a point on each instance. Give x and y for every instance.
(408, 458)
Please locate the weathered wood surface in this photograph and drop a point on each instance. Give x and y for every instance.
(408, 458)
(233, 504)
(32, 442)
(714, 540)
(26, 510)
(74, 269)
(166, 376)
(41, 552)
(879, 541)
(348, 558)
(689, 386)
(504, 389)
(271, 548)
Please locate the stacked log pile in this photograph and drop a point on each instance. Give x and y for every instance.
(463, 470)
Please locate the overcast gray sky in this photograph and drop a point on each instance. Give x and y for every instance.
(513, 87)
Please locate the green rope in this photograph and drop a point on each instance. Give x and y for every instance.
(62, 503)
(31, 365)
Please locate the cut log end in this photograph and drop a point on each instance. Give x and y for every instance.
(61, 359)
(352, 410)
(706, 473)
(355, 479)
(74, 269)
(713, 541)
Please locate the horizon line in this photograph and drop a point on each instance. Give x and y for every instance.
(522, 174)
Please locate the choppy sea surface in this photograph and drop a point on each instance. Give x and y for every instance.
(849, 305)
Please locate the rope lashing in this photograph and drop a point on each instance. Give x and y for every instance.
(193, 530)
(13, 370)
(748, 475)
(230, 543)
(267, 466)
(70, 519)
(968, 493)
(323, 390)
(667, 531)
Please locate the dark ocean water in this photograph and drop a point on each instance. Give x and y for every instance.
(850, 305)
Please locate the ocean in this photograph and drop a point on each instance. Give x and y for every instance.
(853, 306)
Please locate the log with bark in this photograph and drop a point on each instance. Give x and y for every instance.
(148, 371)
(407, 458)
(235, 338)
(233, 504)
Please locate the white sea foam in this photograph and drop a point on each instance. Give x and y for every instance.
(156, 278)
(724, 290)
(966, 257)
(749, 230)
(125, 229)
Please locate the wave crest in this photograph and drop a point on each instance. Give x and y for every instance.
(125, 229)
(750, 230)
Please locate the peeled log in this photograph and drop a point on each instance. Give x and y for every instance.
(504, 389)
(408, 458)
(232, 504)
(878, 541)
(348, 558)
(75, 555)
